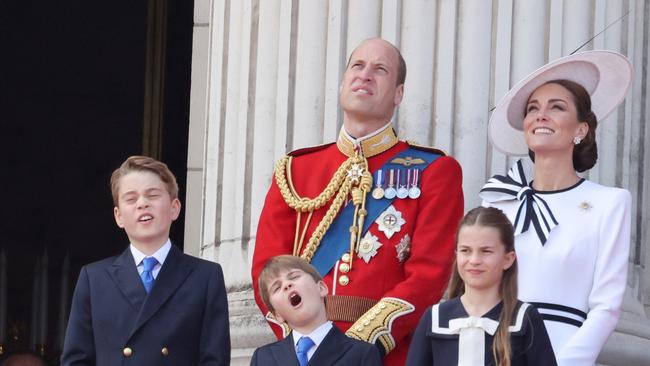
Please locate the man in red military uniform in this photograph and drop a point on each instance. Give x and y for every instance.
(376, 216)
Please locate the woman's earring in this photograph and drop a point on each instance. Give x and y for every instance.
(576, 140)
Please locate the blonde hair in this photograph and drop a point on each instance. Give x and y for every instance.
(277, 265)
(143, 164)
(494, 218)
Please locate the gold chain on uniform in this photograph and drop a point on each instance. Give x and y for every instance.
(341, 185)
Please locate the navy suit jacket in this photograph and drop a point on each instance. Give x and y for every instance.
(335, 349)
(182, 321)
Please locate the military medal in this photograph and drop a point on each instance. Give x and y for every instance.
(368, 247)
(414, 191)
(355, 172)
(403, 248)
(391, 192)
(390, 221)
(402, 191)
(378, 192)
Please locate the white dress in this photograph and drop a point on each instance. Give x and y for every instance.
(577, 278)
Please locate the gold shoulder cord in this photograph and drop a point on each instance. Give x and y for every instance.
(351, 177)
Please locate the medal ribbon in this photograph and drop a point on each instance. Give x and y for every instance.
(335, 242)
(379, 179)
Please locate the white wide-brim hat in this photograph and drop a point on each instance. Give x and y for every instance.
(606, 76)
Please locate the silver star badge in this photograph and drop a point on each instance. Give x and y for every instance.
(368, 247)
(355, 172)
(403, 248)
(390, 221)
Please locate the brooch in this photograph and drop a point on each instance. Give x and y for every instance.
(585, 206)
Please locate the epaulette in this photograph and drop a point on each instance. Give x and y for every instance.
(307, 150)
(415, 145)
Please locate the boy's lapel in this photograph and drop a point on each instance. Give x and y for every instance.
(284, 352)
(172, 274)
(333, 347)
(125, 274)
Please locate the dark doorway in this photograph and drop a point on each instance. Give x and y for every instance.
(73, 76)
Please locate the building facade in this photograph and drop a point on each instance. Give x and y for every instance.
(265, 81)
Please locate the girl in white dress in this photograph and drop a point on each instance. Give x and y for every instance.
(572, 235)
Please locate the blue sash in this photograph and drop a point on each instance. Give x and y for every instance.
(336, 240)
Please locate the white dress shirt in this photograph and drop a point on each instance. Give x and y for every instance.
(160, 255)
(317, 336)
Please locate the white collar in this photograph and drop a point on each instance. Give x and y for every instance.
(160, 254)
(317, 335)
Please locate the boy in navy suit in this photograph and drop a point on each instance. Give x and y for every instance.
(151, 305)
(295, 293)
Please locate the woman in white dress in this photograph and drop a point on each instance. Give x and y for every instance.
(572, 235)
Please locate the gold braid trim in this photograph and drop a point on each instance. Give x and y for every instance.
(304, 204)
(286, 329)
(375, 325)
(341, 184)
(325, 223)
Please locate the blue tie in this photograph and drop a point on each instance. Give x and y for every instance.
(304, 345)
(147, 276)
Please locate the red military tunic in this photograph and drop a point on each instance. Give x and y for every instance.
(392, 291)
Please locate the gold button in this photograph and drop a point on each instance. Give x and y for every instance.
(164, 351)
(127, 352)
(359, 328)
(344, 268)
(376, 311)
(344, 280)
(346, 257)
(371, 317)
(382, 306)
(366, 322)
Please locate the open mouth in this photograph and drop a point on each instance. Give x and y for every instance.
(543, 131)
(295, 299)
(145, 218)
(362, 90)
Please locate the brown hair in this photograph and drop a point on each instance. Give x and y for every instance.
(494, 218)
(401, 64)
(585, 154)
(143, 164)
(275, 266)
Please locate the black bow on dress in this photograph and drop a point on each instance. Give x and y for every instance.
(532, 208)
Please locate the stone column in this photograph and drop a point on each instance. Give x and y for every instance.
(265, 79)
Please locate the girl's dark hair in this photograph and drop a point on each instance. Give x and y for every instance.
(494, 218)
(585, 153)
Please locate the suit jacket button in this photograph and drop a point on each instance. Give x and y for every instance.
(127, 351)
(164, 351)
